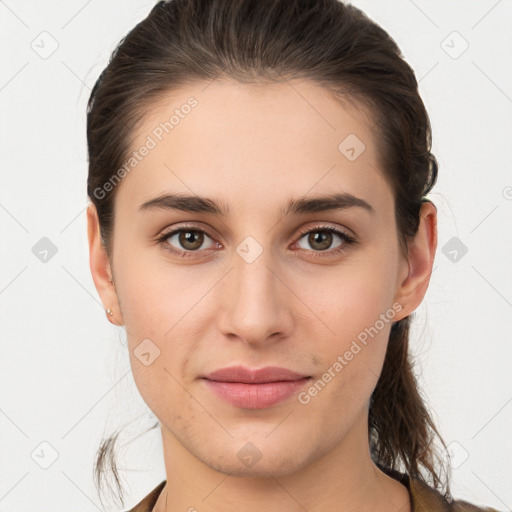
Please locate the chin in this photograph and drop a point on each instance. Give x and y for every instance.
(258, 459)
(261, 469)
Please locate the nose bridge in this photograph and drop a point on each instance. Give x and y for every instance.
(253, 310)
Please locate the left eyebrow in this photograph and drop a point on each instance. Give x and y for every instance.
(324, 203)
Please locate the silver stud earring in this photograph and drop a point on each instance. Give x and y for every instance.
(110, 312)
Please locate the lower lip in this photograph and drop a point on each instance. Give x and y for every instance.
(255, 396)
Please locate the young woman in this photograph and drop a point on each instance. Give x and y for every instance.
(258, 224)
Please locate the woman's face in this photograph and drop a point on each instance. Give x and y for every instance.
(264, 272)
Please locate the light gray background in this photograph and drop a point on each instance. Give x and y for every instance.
(65, 376)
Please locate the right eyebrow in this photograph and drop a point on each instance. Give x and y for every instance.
(187, 204)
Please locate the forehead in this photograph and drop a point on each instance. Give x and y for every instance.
(258, 141)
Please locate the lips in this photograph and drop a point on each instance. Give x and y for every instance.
(254, 389)
(256, 376)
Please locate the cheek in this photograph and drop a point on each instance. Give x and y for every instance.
(154, 296)
(351, 365)
(355, 315)
(162, 314)
(164, 392)
(349, 300)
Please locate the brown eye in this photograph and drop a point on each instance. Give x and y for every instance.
(190, 240)
(185, 241)
(320, 240)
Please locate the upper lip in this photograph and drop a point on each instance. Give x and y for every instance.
(250, 376)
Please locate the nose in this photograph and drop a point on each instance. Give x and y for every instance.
(255, 301)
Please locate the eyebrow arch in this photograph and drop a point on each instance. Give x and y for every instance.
(198, 204)
(340, 201)
(187, 204)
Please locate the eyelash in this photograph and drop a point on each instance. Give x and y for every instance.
(347, 240)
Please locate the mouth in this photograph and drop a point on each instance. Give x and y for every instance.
(254, 389)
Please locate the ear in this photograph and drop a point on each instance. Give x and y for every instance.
(415, 278)
(101, 270)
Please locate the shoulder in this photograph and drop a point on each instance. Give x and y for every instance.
(426, 499)
(148, 502)
(464, 506)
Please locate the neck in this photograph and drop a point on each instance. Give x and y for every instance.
(344, 479)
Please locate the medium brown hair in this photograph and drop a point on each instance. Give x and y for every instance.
(336, 46)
